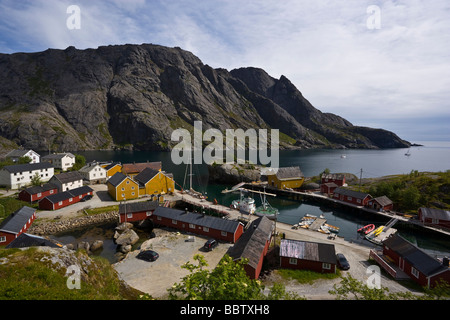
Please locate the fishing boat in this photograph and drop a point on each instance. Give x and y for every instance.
(244, 204)
(367, 228)
(266, 210)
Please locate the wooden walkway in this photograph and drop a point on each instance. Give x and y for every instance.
(317, 224)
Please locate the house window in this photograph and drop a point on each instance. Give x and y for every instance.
(123, 189)
(79, 197)
(206, 229)
(174, 221)
(129, 215)
(415, 272)
(128, 182)
(293, 261)
(60, 203)
(51, 191)
(158, 218)
(349, 198)
(123, 195)
(70, 199)
(326, 266)
(2, 239)
(192, 226)
(39, 194)
(223, 233)
(148, 213)
(132, 193)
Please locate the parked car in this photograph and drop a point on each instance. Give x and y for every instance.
(86, 198)
(342, 262)
(210, 244)
(148, 255)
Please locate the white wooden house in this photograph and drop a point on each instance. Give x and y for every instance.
(61, 161)
(93, 173)
(14, 155)
(20, 175)
(67, 180)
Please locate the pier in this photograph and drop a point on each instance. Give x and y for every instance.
(317, 197)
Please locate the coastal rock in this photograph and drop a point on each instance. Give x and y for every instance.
(134, 96)
(234, 173)
(128, 237)
(124, 226)
(96, 245)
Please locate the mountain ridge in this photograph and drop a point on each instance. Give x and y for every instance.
(134, 96)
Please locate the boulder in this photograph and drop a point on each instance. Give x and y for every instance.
(124, 226)
(84, 245)
(127, 237)
(97, 244)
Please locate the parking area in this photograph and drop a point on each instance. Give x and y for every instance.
(174, 249)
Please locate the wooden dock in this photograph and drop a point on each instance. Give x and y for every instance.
(318, 222)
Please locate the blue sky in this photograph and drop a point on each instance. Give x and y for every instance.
(395, 76)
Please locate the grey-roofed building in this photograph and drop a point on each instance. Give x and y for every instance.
(381, 203)
(20, 175)
(26, 240)
(67, 180)
(417, 264)
(36, 193)
(315, 256)
(61, 161)
(286, 178)
(14, 155)
(136, 211)
(434, 217)
(64, 199)
(208, 226)
(351, 196)
(253, 245)
(15, 224)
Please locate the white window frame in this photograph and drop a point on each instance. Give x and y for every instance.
(191, 225)
(326, 266)
(129, 215)
(174, 221)
(206, 229)
(293, 261)
(2, 238)
(223, 233)
(415, 272)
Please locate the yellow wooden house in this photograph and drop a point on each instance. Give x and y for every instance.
(286, 178)
(154, 182)
(122, 187)
(112, 169)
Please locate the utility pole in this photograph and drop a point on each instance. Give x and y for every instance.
(360, 177)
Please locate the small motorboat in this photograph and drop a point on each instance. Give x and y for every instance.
(367, 229)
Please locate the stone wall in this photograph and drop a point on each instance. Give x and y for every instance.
(57, 226)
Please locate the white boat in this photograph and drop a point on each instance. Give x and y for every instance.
(244, 204)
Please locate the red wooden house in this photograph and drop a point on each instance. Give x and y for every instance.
(253, 245)
(204, 225)
(64, 199)
(314, 256)
(328, 188)
(136, 211)
(435, 217)
(418, 265)
(15, 224)
(351, 196)
(382, 203)
(337, 178)
(36, 193)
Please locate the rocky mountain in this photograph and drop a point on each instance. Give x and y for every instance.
(134, 96)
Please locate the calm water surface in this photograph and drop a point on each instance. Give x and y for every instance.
(432, 156)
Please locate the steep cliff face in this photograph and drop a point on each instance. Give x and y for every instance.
(136, 95)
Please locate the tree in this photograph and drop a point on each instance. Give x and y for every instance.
(80, 162)
(350, 288)
(228, 281)
(36, 180)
